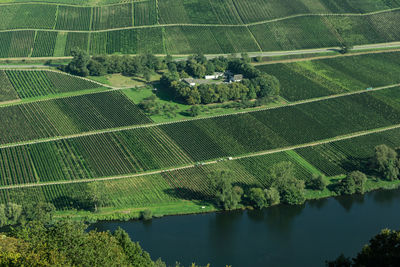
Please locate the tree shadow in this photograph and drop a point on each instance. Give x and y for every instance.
(189, 194)
(67, 202)
(358, 164)
(347, 201)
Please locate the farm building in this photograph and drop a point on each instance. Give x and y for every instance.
(236, 78)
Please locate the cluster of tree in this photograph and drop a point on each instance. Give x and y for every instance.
(142, 65)
(354, 183)
(382, 250)
(385, 164)
(283, 187)
(254, 85)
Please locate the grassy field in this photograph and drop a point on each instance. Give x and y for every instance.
(316, 78)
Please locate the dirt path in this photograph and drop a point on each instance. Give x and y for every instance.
(325, 57)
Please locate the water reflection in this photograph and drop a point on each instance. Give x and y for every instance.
(282, 235)
(347, 202)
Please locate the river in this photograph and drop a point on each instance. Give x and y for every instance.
(283, 235)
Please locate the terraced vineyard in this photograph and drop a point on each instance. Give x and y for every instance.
(99, 155)
(65, 116)
(165, 146)
(63, 135)
(29, 84)
(316, 78)
(182, 27)
(173, 186)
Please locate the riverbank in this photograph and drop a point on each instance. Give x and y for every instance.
(312, 233)
(186, 207)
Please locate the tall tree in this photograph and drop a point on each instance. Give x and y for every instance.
(386, 162)
(226, 195)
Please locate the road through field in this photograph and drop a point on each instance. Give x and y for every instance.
(266, 152)
(210, 56)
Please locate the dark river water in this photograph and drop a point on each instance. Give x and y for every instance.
(279, 236)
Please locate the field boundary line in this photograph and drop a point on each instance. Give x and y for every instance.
(292, 60)
(211, 162)
(149, 125)
(214, 25)
(69, 5)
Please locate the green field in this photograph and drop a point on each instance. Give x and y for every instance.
(17, 84)
(70, 115)
(175, 144)
(174, 186)
(316, 78)
(62, 132)
(175, 27)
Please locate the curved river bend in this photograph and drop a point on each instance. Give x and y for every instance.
(278, 236)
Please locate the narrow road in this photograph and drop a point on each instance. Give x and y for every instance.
(55, 138)
(261, 153)
(210, 56)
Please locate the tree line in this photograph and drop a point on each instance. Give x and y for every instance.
(142, 65)
(282, 185)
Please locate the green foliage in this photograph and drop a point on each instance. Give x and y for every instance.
(272, 196)
(146, 215)
(227, 195)
(27, 210)
(79, 64)
(257, 197)
(69, 243)
(194, 111)
(264, 198)
(317, 182)
(386, 162)
(352, 184)
(382, 250)
(290, 188)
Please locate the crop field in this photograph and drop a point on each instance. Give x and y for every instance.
(242, 11)
(136, 41)
(287, 126)
(7, 91)
(69, 115)
(16, 44)
(73, 18)
(44, 45)
(316, 78)
(40, 83)
(145, 13)
(167, 187)
(149, 148)
(116, 16)
(98, 155)
(230, 26)
(31, 16)
(345, 156)
(209, 40)
(76, 40)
